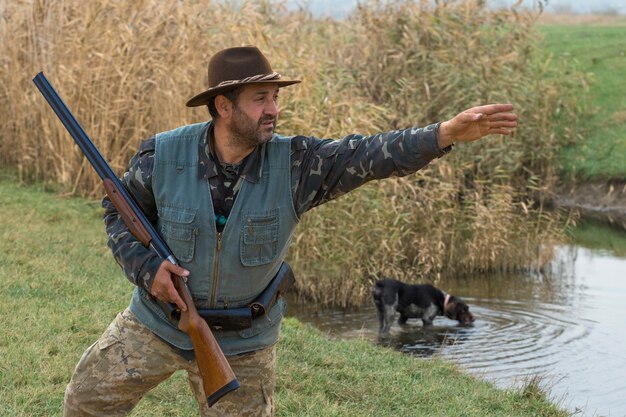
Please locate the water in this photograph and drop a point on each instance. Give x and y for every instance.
(566, 327)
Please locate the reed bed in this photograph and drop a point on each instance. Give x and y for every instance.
(126, 69)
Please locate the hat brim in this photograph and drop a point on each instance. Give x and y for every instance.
(204, 97)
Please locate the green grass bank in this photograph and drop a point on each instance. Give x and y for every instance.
(61, 288)
(597, 48)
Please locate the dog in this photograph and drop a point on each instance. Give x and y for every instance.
(415, 302)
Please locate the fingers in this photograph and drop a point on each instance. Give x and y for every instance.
(502, 116)
(494, 121)
(174, 297)
(490, 109)
(499, 131)
(172, 293)
(502, 124)
(175, 269)
(163, 286)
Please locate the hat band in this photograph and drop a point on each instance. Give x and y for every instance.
(260, 77)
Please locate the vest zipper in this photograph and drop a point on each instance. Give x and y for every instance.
(215, 269)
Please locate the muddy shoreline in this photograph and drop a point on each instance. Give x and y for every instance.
(603, 202)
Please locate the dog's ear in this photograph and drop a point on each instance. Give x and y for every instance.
(450, 309)
(458, 310)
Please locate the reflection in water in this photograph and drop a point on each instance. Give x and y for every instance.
(426, 341)
(565, 326)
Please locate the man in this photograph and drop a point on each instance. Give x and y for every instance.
(226, 196)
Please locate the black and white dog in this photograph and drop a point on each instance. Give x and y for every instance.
(415, 302)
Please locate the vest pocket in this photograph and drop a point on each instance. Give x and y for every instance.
(259, 237)
(178, 231)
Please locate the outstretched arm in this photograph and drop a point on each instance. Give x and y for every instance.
(474, 123)
(323, 170)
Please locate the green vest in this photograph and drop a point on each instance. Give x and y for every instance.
(230, 269)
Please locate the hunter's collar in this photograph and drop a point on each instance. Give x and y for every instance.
(208, 162)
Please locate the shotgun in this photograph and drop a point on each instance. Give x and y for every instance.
(218, 378)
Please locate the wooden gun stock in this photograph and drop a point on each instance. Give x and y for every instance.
(218, 378)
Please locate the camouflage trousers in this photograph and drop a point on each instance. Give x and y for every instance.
(128, 360)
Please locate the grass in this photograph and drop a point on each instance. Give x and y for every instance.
(356, 378)
(60, 289)
(597, 236)
(599, 50)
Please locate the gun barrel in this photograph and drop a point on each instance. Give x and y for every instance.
(98, 162)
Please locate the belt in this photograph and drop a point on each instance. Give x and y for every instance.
(241, 318)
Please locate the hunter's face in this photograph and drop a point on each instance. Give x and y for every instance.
(255, 113)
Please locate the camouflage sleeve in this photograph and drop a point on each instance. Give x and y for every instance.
(326, 169)
(138, 263)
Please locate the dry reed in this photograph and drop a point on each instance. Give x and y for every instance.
(126, 69)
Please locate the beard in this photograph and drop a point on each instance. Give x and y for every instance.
(247, 132)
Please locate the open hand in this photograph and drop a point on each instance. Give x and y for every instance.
(474, 123)
(163, 286)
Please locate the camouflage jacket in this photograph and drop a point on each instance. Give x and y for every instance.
(321, 170)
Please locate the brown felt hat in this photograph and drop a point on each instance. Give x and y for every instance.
(233, 67)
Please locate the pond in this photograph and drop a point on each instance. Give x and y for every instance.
(565, 326)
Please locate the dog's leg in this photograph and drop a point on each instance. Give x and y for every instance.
(378, 303)
(389, 311)
(429, 315)
(388, 318)
(402, 319)
(381, 316)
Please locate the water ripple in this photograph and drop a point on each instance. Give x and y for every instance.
(509, 340)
